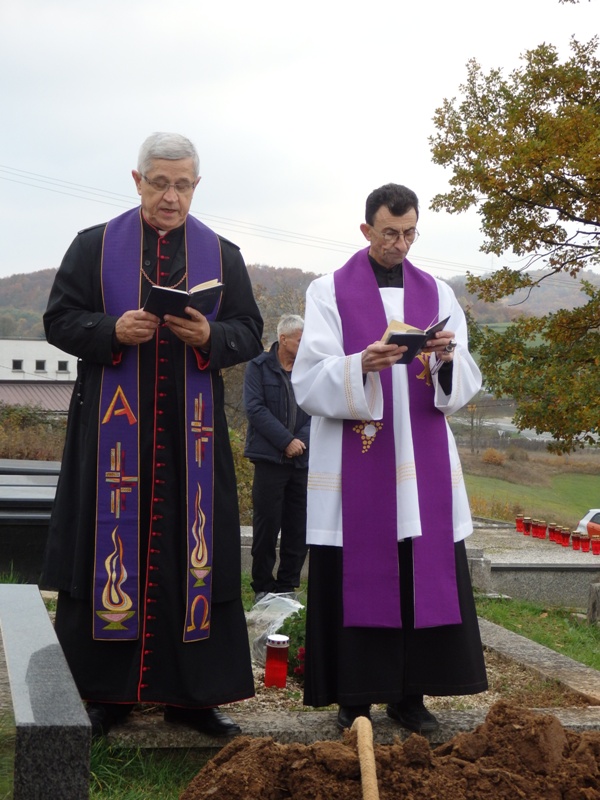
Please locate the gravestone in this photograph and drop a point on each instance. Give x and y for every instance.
(27, 490)
(593, 610)
(45, 733)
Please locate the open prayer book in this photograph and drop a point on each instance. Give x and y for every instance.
(165, 300)
(408, 336)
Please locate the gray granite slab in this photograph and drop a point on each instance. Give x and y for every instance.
(546, 662)
(52, 733)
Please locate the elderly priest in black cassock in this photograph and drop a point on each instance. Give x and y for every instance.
(144, 539)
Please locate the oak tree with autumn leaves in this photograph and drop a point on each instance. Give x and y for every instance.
(524, 150)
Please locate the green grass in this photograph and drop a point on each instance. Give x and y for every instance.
(133, 774)
(567, 497)
(11, 576)
(556, 628)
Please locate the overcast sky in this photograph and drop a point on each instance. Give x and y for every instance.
(298, 111)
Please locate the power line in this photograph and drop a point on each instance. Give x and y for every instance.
(94, 194)
(106, 197)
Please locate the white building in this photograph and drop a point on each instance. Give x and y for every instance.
(35, 373)
(35, 360)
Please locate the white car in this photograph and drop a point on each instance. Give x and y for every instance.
(590, 524)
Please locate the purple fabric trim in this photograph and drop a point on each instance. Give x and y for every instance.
(371, 581)
(434, 563)
(120, 543)
(116, 568)
(204, 262)
(371, 587)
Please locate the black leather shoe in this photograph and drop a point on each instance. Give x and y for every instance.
(211, 721)
(104, 715)
(412, 714)
(347, 715)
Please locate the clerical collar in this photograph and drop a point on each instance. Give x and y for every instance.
(387, 277)
(160, 233)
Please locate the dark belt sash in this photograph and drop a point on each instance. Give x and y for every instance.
(371, 582)
(116, 594)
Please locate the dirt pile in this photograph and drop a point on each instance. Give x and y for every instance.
(515, 753)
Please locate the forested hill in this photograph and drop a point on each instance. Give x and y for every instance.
(23, 298)
(554, 292)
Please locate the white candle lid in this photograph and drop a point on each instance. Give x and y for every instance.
(278, 640)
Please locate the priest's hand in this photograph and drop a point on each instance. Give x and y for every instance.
(194, 331)
(443, 345)
(136, 327)
(379, 356)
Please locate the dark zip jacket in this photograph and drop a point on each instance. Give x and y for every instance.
(274, 417)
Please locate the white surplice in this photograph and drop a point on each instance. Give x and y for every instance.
(330, 386)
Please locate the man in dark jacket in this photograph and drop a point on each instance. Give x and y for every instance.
(277, 445)
(144, 539)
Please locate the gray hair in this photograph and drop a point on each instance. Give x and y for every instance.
(170, 146)
(288, 324)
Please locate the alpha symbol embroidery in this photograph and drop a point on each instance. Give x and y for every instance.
(124, 410)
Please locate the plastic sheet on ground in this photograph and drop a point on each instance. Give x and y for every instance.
(265, 618)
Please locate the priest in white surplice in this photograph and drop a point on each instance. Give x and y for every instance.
(390, 611)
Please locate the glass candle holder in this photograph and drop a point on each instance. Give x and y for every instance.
(543, 529)
(576, 540)
(527, 526)
(277, 660)
(595, 542)
(584, 543)
(519, 523)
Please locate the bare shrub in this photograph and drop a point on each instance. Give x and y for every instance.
(30, 433)
(244, 471)
(518, 454)
(493, 456)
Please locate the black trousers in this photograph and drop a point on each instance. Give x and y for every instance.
(357, 666)
(279, 504)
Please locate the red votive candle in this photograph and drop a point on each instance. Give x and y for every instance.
(585, 544)
(575, 541)
(277, 660)
(527, 526)
(596, 545)
(519, 523)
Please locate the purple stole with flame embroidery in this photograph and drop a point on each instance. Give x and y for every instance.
(371, 583)
(116, 594)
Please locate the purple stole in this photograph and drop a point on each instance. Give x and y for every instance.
(116, 592)
(371, 583)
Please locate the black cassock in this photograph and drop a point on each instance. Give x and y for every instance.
(158, 667)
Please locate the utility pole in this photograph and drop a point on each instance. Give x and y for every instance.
(472, 408)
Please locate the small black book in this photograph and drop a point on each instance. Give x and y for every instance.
(165, 300)
(407, 335)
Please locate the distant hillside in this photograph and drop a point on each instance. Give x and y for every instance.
(555, 292)
(23, 298)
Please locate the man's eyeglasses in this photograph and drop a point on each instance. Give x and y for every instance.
(391, 236)
(162, 185)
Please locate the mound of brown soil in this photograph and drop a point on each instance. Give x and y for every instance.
(516, 753)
